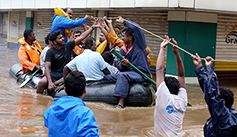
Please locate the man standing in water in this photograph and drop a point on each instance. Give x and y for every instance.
(69, 116)
(171, 96)
(223, 120)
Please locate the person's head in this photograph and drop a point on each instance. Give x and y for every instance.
(57, 38)
(89, 43)
(127, 36)
(76, 34)
(68, 11)
(172, 84)
(227, 95)
(102, 37)
(48, 40)
(75, 84)
(29, 35)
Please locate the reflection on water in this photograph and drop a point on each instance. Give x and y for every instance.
(21, 109)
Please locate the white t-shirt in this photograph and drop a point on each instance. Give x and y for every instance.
(90, 63)
(169, 111)
(42, 59)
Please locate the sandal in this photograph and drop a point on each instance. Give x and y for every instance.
(119, 106)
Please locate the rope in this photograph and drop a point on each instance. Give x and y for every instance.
(173, 43)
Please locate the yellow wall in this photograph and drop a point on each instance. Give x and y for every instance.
(154, 60)
(225, 66)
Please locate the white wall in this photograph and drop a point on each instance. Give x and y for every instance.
(221, 5)
(227, 5)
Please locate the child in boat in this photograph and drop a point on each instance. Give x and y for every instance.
(171, 96)
(223, 120)
(68, 115)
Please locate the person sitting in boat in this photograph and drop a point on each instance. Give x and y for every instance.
(90, 62)
(104, 48)
(223, 120)
(62, 22)
(70, 112)
(111, 35)
(171, 96)
(29, 52)
(56, 58)
(134, 51)
(48, 40)
(78, 48)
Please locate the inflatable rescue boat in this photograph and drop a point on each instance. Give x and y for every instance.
(102, 91)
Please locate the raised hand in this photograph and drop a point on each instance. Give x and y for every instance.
(108, 21)
(120, 19)
(196, 60)
(102, 23)
(87, 16)
(165, 42)
(175, 49)
(208, 61)
(93, 20)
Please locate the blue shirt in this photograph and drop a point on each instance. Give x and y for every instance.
(137, 56)
(59, 23)
(69, 117)
(223, 120)
(90, 63)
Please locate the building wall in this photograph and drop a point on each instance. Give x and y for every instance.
(1, 23)
(195, 32)
(219, 5)
(4, 23)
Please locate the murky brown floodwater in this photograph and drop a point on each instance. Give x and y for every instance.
(21, 109)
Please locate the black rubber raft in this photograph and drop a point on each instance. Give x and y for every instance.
(139, 94)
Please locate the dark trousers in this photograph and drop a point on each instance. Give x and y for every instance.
(124, 79)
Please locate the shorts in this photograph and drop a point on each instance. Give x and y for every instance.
(56, 76)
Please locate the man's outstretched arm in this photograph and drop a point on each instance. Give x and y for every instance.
(160, 65)
(180, 66)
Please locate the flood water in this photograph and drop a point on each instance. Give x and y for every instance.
(21, 109)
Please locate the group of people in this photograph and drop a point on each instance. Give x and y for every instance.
(68, 116)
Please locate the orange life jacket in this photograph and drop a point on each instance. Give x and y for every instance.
(78, 50)
(33, 53)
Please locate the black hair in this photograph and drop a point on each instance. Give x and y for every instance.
(227, 95)
(47, 38)
(54, 35)
(128, 32)
(65, 9)
(88, 42)
(172, 84)
(27, 33)
(75, 83)
(76, 31)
